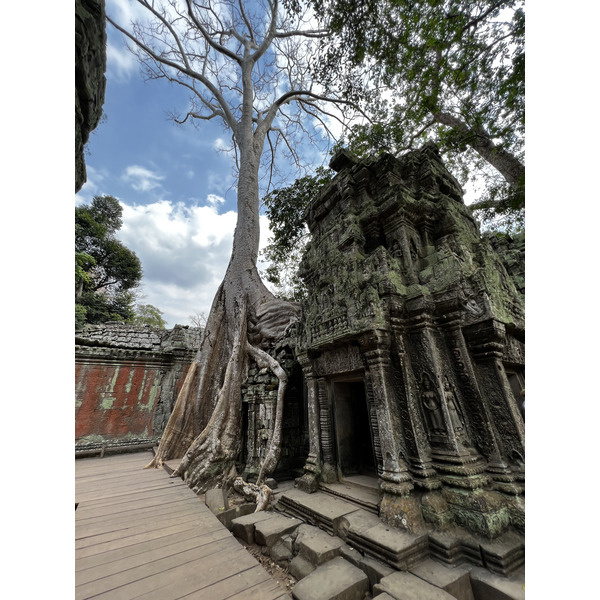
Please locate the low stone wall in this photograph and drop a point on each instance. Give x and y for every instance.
(127, 378)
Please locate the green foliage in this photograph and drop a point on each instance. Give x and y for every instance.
(147, 314)
(106, 272)
(443, 70)
(80, 316)
(285, 208)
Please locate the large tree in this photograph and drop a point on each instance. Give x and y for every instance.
(447, 70)
(106, 271)
(244, 63)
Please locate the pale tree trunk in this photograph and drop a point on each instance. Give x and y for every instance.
(205, 428)
(508, 165)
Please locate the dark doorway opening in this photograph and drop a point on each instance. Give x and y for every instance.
(353, 429)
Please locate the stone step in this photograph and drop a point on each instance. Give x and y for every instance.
(316, 509)
(268, 532)
(243, 527)
(406, 586)
(454, 581)
(397, 548)
(354, 492)
(337, 579)
(316, 545)
(488, 586)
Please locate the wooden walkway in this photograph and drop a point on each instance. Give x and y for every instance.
(141, 534)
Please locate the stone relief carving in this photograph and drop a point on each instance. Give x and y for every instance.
(432, 406)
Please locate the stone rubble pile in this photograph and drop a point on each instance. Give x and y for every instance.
(357, 556)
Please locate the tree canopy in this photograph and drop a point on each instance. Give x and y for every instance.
(147, 314)
(285, 209)
(446, 70)
(106, 271)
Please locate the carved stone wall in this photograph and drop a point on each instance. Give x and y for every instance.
(406, 296)
(259, 396)
(127, 381)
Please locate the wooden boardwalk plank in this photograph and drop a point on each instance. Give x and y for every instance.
(106, 564)
(141, 534)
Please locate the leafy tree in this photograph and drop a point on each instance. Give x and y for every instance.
(446, 70)
(285, 208)
(245, 64)
(106, 272)
(147, 314)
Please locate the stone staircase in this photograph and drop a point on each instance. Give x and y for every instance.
(338, 551)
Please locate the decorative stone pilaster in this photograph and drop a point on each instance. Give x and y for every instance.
(481, 422)
(486, 342)
(418, 452)
(397, 507)
(455, 459)
(309, 482)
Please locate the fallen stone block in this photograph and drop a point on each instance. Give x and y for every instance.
(216, 500)
(351, 554)
(406, 586)
(488, 586)
(374, 569)
(243, 527)
(269, 531)
(383, 596)
(282, 550)
(246, 509)
(317, 545)
(227, 516)
(455, 581)
(334, 580)
(300, 567)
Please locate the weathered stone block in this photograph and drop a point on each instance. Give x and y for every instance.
(374, 569)
(227, 516)
(335, 580)
(282, 550)
(216, 500)
(317, 545)
(455, 581)
(350, 554)
(405, 586)
(243, 527)
(269, 531)
(300, 567)
(493, 587)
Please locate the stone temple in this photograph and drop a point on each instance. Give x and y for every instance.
(412, 348)
(406, 371)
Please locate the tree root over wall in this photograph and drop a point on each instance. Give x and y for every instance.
(205, 426)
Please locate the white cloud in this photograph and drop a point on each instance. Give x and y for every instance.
(215, 201)
(184, 253)
(141, 179)
(221, 145)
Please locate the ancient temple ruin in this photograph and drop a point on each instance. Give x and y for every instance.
(127, 378)
(412, 348)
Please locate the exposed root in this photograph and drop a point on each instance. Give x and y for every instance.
(272, 457)
(261, 494)
(206, 424)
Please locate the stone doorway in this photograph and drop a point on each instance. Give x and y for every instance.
(354, 443)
